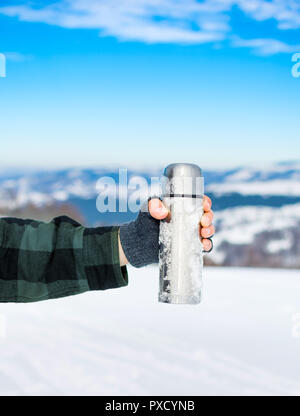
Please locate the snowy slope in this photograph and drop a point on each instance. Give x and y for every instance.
(276, 179)
(241, 340)
(263, 236)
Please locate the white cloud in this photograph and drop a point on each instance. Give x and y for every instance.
(17, 57)
(165, 21)
(142, 20)
(285, 12)
(265, 46)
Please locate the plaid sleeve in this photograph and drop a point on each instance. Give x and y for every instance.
(40, 261)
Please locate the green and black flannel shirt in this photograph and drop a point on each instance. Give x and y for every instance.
(40, 261)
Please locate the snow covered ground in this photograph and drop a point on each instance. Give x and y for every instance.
(243, 339)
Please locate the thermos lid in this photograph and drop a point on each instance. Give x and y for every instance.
(187, 170)
(183, 179)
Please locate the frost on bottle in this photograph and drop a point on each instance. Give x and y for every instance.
(180, 255)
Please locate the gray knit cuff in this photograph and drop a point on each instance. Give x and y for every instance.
(139, 239)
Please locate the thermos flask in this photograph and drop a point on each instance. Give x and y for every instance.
(180, 248)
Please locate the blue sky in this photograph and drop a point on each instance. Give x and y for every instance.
(149, 82)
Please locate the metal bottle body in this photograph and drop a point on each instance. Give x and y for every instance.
(180, 256)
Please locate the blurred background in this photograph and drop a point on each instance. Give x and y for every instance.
(95, 85)
(92, 86)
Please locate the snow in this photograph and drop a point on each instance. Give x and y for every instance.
(61, 195)
(288, 187)
(240, 175)
(281, 179)
(240, 225)
(244, 338)
(276, 246)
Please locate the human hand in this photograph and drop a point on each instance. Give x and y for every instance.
(158, 210)
(138, 242)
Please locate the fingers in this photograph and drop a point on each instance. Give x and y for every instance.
(207, 229)
(207, 204)
(157, 209)
(208, 215)
(207, 244)
(207, 219)
(207, 232)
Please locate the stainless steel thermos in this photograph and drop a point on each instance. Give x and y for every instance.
(180, 255)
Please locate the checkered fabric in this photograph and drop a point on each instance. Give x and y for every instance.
(40, 261)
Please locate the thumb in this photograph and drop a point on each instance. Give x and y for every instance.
(157, 209)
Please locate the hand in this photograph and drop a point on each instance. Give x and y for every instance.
(206, 229)
(138, 240)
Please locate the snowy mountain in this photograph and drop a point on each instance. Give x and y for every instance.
(257, 208)
(258, 236)
(279, 181)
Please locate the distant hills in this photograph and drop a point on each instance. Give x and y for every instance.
(257, 208)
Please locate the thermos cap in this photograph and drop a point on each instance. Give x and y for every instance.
(183, 179)
(188, 170)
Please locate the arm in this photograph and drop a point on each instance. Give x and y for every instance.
(123, 259)
(41, 261)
